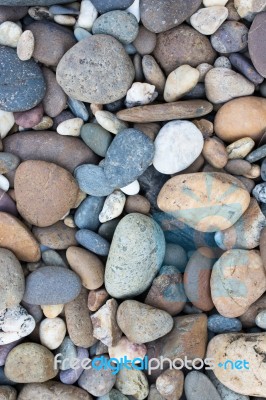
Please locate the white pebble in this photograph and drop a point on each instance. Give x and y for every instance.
(131, 189)
(15, 324)
(208, 20)
(261, 320)
(210, 3)
(9, 34)
(38, 13)
(110, 122)
(4, 183)
(180, 81)
(7, 120)
(87, 16)
(52, 332)
(67, 20)
(113, 206)
(140, 94)
(134, 9)
(25, 47)
(70, 127)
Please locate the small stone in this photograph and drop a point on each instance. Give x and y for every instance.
(96, 299)
(96, 137)
(93, 242)
(71, 375)
(39, 13)
(87, 214)
(30, 118)
(139, 94)
(57, 236)
(53, 390)
(261, 320)
(249, 8)
(231, 37)
(54, 101)
(153, 73)
(208, 20)
(215, 152)
(126, 348)
(132, 382)
(154, 394)
(6, 123)
(66, 352)
(16, 323)
(238, 167)
(4, 183)
(52, 332)
(203, 68)
(179, 82)
(107, 229)
(87, 16)
(8, 393)
(66, 20)
(52, 257)
(145, 42)
(240, 149)
(45, 123)
(257, 154)
(243, 65)
(137, 204)
(52, 311)
(113, 206)
(38, 363)
(10, 33)
(219, 324)
(223, 84)
(81, 33)
(63, 10)
(51, 285)
(222, 62)
(7, 204)
(259, 192)
(170, 384)
(92, 180)
(131, 189)
(70, 127)
(25, 46)
(198, 385)
(110, 122)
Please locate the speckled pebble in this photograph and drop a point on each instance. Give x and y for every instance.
(219, 324)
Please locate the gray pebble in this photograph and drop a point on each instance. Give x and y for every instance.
(87, 214)
(261, 320)
(198, 387)
(92, 180)
(61, 10)
(245, 66)
(107, 229)
(70, 376)
(175, 255)
(222, 62)
(259, 192)
(52, 257)
(68, 352)
(231, 37)
(93, 242)
(220, 324)
(78, 108)
(97, 138)
(81, 33)
(257, 154)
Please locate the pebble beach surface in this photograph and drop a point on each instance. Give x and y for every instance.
(132, 199)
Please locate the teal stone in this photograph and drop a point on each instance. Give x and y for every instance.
(97, 138)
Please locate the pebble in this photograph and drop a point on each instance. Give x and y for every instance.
(25, 45)
(259, 192)
(212, 3)
(170, 384)
(215, 152)
(61, 286)
(97, 382)
(68, 352)
(87, 266)
(66, 20)
(70, 127)
(238, 167)
(240, 148)
(54, 101)
(153, 73)
(145, 41)
(15, 236)
(37, 360)
(179, 82)
(12, 13)
(166, 112)
(231, 37)
(244, 65)
(257, 154)
(240, 118)
(104, 6)
(7, 121)
(87, 16)
(208, 20)
(87, 214)
(45, 123)
(96, 137)
(52, 332)
(222, 62)
(131, 189)
(128, 144)
(37, 146)
(137, 251)
(249, 9)
(19, 75)
(53, 390)
(132, 382)
(110, 122)
(33, 203)
(93, 242)
(246, 267)
(81, 33)
(97, 298)
(198, 385)
(92, 180)
(16, 323)
(248, 319)
(4, 183)
(30, 118)
(160, 17)
(52, 311)
(70, 376)
(223, 84)
(200, 209)
(256, 45)
(98, 55)
(122, 25)
(39, 13)
(8, 393)
(52, 41)
(167, 291)
(173, 146)
(126, 348)
(240, 346)
(219, 324)
(62, 10)
(78, 108)
(113, 206)
(57, 236)
(140, 94)
(261, 320)
(10, 33)
(52, 257)
(137, 204)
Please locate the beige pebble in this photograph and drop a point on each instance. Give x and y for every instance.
(97, 298)
(38, 13)
(140, 94)
(215, 152)
(52, 332)
(126, 348)
(52, 311)
(96, 107)
(211, 3)
(67, 20)
(203, 69)
(132, 382)
(110, 122)
(70, 127)
(254, 172)
(153, 73)
(10, 33)
(25, 46)
(179, 82)
(170, 384)
(69, 221)
(240, 148)
(87, 16)
(46, 123)
(80, 197)
(208, 20)
(7, 120)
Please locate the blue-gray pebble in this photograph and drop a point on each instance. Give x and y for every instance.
(122, 25)
(245, 66)
(81, 33)
(97, 138)
(175, 255)
(93, 242)
(87, 214)
(129, 155)
(107, 229)
(78, 108)
(257, 154)
(219, 324)
(61, 10)
(92, 180)
(68, 352)
(104, 6)
(52, 285)
(259, 192)
(22, 85)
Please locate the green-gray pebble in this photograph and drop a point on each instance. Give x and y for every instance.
(97, 138)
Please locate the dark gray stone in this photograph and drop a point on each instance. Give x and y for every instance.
(92, 180)
(87, 214)
(151, 183)
(257, 154)
(52, 285)
(93, 242)
(115, 106)
(12, 13)
(22, 85)
(219, 324)
(104, 6)
(128, 156)
(231, 37)
(97, 138)
(198, 92)
(245, 66)
(257, 43)
(7, 204)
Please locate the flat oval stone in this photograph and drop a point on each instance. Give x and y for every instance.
(38, 363)
(57, 236)
(15, 236)
(22, 86)
(177, 146)
(78, 108)
(12, 280)
(87, 214)
(202, 208)
(47, 183)
(256, 43)
(51, 285)
(96, 70)
(231, 37)
(54, 101)
(207, 20)
(245, 66)
(198, 385)
(129, 144)
(92, 180)
(136, 252)
(219, 324)
(53, 390)
(38, 145)
(96, 137)
(240, 118)
(93, 242)
(171, 55)
(103, 6)
(121, 25)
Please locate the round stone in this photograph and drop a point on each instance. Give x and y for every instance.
(92, 180)
(137, 252)
(52, 332)
(132, 382)
(198, 385)
(145, 42)
(261, 320)
(8, 162)
(30, 118)
(57, 236)
(97, 138)
(170, 384)
(179, 82)
(10, 33)
(207, 20)
(231, 37)
(103, 6)
(177, 146)
(25, 46)
(51, 285)
(12, 280)
(256, 43)
(23, 85)
(219, 324)
(7, 204)
(96, 70)
(93, 242)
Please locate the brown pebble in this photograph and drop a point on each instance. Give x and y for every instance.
(137, 203)
(145, 42)
(57, 236)
(238, 167)
(96, 299)
(151, 129)
(153, 73)
(215, 152)
(69, 221)
(96, 107)
(205, 126)
(254, 172)
(11, 193)
(170, 384)
(55, 99)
